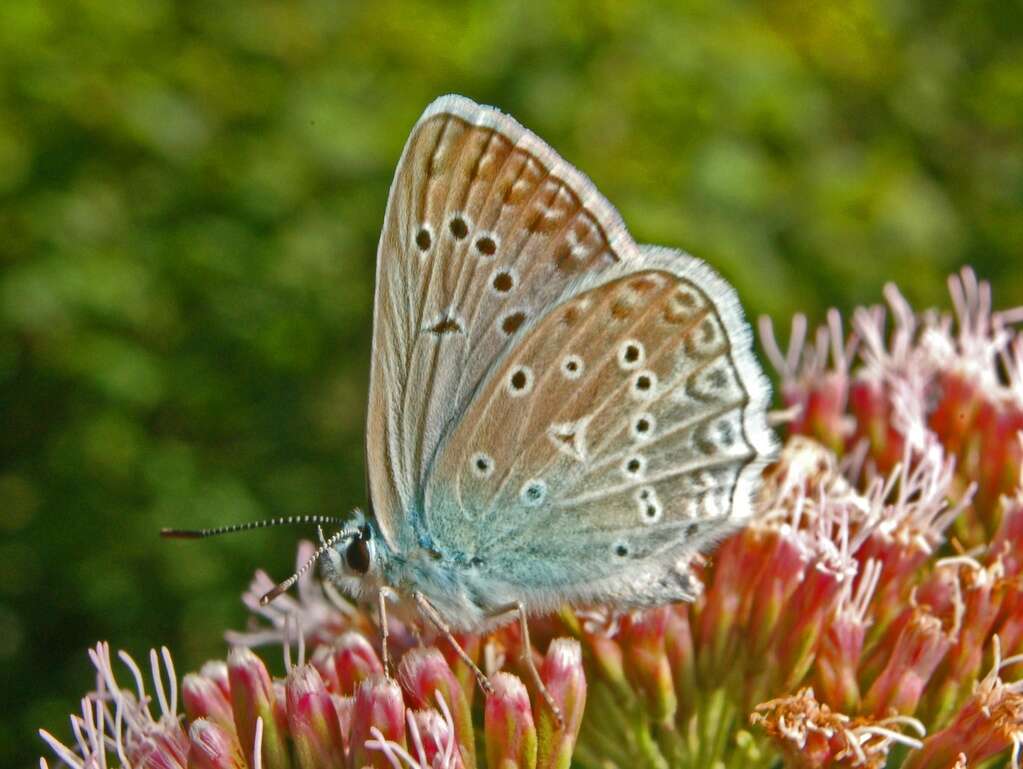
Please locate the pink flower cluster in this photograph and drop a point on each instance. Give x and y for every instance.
(870, 616)
(337, 710)
(920, 492)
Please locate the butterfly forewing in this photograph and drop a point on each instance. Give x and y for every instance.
(485, 228)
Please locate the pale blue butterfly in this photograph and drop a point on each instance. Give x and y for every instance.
(556, 414)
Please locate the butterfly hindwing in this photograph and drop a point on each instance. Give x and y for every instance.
(625, 427)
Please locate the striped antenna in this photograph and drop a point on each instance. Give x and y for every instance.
(291, 520)
(349, 533)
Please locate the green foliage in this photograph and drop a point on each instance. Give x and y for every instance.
(190, 195)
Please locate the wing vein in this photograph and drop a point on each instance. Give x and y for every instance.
(674, 472)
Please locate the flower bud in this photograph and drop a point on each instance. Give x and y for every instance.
(957, 398)
(999, 425)
(508, 725)
(841, 646)
(871, 406)
(313, 720)
(424, 674)
(433, 734)
(322, 658)
(1007, 543)
(918, 650)
(1009, 627)
(901, 561)
(981, 602)
(345, 707)
(252, 697)
(610, 661)
(355, 660)
(211, 746)
(216, 671)
(719, 620)
(163, 747)
(823, 403)
(795, 643)
(837, 657)
(780, 563)
(647, 665)
(378, 703)
(562, 673)
(204, 698)
(678, 647)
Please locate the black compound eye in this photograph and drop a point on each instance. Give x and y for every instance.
(357, 554)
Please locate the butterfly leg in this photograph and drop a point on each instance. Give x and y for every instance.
(519, 609)
(431, 614)
(385, 632)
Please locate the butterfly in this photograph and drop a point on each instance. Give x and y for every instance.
(556, 414)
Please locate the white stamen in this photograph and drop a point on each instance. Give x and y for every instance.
(161, 695)
(257, 745)
(140, 686)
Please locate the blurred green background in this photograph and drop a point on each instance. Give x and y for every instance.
(190, 197)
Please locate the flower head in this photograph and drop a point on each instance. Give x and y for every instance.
(870, 615)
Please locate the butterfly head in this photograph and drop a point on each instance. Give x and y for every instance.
(352, 556)
(355, 563)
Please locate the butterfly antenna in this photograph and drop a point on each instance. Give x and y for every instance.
(283, 587)
(291, 520)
